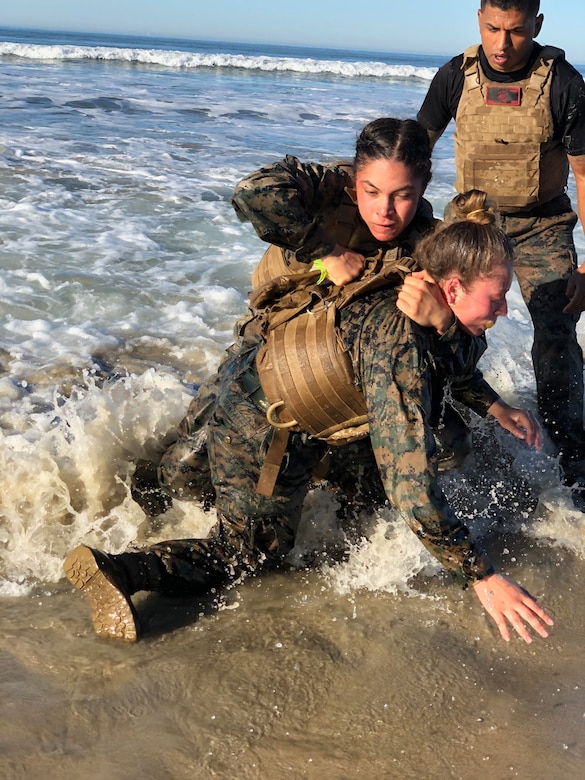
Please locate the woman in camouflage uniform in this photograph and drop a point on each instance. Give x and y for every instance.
(461, 291)
(308, 212)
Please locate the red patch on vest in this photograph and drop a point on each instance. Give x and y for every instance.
(503, 96)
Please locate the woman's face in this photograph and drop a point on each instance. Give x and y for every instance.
(387, 196)
(478, 305)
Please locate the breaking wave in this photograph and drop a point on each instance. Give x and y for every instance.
(194, 60)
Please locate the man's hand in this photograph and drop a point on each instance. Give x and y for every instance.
(421, 299)
(521, 422)
(507, 602)
(576, 292)
(343, 265)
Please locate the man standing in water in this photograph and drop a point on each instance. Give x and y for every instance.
(519, 111)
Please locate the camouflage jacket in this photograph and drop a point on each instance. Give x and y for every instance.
(395, 360)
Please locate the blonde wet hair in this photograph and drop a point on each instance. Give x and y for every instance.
(469, 243)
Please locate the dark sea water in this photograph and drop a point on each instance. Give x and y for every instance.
(122, 271)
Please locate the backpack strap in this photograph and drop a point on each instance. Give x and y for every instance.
(272, 462)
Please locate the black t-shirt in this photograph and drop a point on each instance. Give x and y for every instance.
(567, 97)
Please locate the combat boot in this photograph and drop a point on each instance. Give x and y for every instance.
(108, 581)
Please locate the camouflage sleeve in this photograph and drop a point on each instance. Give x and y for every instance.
(395, 375)
(283, 202)
(475, 393)
(456, 355)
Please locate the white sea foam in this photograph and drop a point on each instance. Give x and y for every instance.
(386, 561)
(66, 470)
(191, 61)
(124, 268)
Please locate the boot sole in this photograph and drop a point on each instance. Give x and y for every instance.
(113, 614)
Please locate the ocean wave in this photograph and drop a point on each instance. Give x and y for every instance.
(194, 60)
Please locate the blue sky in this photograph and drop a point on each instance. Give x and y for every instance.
(444, 27)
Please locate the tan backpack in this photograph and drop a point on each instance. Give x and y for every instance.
(304, 368)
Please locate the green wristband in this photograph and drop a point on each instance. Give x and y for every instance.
(318, 265)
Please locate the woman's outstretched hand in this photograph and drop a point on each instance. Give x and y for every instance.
(521, 422)
(508, 603)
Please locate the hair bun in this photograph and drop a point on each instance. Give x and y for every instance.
(472, 206)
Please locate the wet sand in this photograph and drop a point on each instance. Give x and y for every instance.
(291, 679)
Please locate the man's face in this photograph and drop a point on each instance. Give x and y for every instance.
(507, 37)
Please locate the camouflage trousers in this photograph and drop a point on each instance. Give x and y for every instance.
(223, 440)
(184, 472)
(253, 531)
(545, 258)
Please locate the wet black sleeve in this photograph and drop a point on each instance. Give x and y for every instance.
(568, 107)
(442, 98)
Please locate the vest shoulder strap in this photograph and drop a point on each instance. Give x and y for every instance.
(552, 53)
(470, 53)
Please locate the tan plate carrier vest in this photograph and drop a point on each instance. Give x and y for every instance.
(504, 141)
(303, 366)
